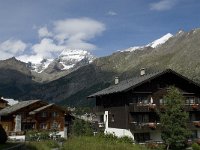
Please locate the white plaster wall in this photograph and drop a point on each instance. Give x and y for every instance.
(155, 136)
(116, 131)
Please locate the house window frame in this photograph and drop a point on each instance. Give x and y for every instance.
(44, 114)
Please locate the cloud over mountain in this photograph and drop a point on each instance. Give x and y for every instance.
(11, 48)
(74, 33)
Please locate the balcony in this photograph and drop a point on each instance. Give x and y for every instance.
(143, 127)
(133, 107)
(140, 107)
(192, 107)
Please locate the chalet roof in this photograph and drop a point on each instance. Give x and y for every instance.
(134, 82)
(44, 107)
(11, 109)
(40, 109)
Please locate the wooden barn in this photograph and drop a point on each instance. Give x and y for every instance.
(128, 107)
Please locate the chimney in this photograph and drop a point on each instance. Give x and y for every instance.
(116, 80)
(142, 71)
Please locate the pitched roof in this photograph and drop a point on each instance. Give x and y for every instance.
(134, 82)
(44, 107)
(14, 108)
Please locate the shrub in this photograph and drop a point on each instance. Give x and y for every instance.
(126, 139)
(81, 128)
(195, 146)
(3, 135)
(52, 144)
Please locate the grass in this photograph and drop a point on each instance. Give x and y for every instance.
(86, 143)
(97, 143)
(7, 145)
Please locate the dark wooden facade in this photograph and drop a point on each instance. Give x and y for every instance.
(134, 108)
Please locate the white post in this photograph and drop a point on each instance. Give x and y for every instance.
(65, 132)
(18, 123)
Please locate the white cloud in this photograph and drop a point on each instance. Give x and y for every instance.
(77, 30)
(111, 13)
(46, 48)
(11, 48)
(43, 32)
(31, 58)
(65, 34)
(163, 5)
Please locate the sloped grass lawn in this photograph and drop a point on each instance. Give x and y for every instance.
(85, 143)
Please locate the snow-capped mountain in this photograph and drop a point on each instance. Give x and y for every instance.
(69, 58)
(160, 41)
(66, 60)
(153, 44)
(39, 67)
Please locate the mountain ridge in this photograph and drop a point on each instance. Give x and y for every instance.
(180, 53)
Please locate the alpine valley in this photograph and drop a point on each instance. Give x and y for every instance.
(75, 74)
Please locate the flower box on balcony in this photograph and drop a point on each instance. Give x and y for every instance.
(196, 124)
(152, 125)
(195, 106)
(152, 107)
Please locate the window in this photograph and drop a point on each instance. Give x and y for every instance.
(143, 100)
(113, 118)
(43, 126)
(190, 100)
(54, 125)
(43, 114)
(54, 114)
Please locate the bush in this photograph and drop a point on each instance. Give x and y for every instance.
(3, 135)
(81, 128)
(35, 135)
(195, 146)
(52, 144)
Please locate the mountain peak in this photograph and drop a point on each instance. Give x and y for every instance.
(67, 59)
(153, 44)
(160, 41)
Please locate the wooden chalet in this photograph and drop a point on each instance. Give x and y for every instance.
(128, 107)
(32, 115)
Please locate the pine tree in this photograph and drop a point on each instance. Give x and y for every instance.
(174, 120)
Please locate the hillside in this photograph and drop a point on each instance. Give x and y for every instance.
(180, 52)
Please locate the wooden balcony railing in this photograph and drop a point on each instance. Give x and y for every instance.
(137, 107)
(142, 127)
(133, 107)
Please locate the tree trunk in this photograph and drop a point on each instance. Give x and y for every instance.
(167, 146)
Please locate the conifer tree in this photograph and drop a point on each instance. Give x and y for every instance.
(174, 120)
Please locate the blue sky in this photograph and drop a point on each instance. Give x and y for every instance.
(31, 29)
